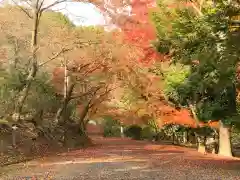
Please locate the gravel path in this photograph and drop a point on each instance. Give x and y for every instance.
(117, 159)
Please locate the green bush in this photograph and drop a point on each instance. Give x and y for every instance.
(134, 131)
(112, 132)
(147, 133)
(111, 127)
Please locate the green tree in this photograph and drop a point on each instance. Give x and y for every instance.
(201, 40)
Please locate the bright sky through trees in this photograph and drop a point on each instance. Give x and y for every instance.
(80, 13)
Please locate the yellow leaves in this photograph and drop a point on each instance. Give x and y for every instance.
(233, 27)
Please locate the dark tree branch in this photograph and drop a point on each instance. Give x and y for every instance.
(23, 9)
(51, 5)
(54, 56)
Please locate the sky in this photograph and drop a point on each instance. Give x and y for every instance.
(81, 13)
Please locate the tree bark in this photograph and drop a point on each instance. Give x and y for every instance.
(200, 143)
(225, 148)
(61, 114)
(82, 117)
(14, 128)
(185, 134)
(62, 111)
(173, 138)
(1, 147)
(34, 67)
(122, 133)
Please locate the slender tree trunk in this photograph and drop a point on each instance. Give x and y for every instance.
(122, 133)
(60, 111)
(201, 143)
(14, 138)
(224, 140)
(32, 73)
(67, 94)
(214, 150)
(14, 128)
(82, 128)
(61, 114)
(184, 137)
(173, 137)
(83, 115)
(193, 110)
(1, 147)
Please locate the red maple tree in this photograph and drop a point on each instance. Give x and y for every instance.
(140, 32)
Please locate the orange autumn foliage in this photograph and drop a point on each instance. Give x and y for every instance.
(58, 79)
(183, 117)
(139, 31)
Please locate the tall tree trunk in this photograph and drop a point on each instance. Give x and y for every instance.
(61, 114)
(224, 140)
(201, 143)
(195, 117)
(1, 147)
(14, 129)
(122, 133)
(214, 149)
(82, 128)
(82, 117)
(173, 138)
(185, 137)
(33, 71)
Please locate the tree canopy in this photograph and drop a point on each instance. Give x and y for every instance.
(203, 43)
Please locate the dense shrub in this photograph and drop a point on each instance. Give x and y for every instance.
(112, 132)
(160, 136)
(134, 131)
(148, 133)
(111, 127)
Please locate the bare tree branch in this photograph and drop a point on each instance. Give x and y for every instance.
(84, 94)
(40, 6)
(83, 66)
(92, 70)
(54, 57)
(99, 100)
(23, 9)
(51, 5)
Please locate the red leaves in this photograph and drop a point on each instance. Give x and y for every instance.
(58, 78)
(140, 32)
(183, 117)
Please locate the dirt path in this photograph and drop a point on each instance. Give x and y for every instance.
(117, 159)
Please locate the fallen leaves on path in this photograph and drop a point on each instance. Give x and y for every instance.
(116, 158)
